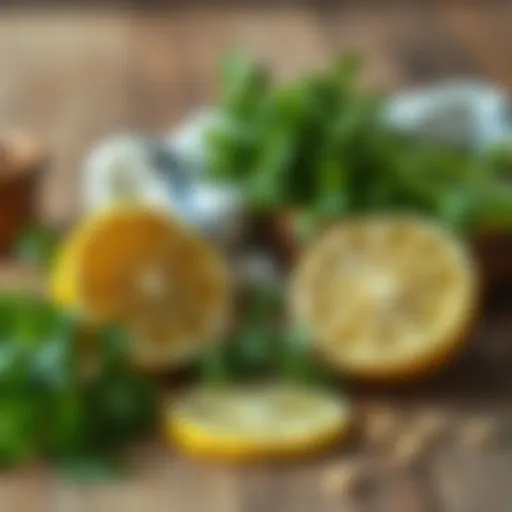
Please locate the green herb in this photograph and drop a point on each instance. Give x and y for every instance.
(92, 469)
(319, 144)
(496, 198)
(297, 363)
(36, 245)
(64, 392)
(264, 346)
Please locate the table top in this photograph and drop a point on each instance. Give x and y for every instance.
(76, 76)
(82, 75)
(450, 476)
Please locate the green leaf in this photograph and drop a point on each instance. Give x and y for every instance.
(18, 426)
(6, 315)
(68, 434)
(218, 366)
(264, 302)
(47, 404)
(243, 84)
(257, 350)
(54, 363)
(307, 224)
(36, 245)
(265, 186)
(332, 190)
(34, 319)
(114, 346)
(92, 469)
(297, 363)
(496, 207)
(13, 367)
(346, 69)
(282, 144)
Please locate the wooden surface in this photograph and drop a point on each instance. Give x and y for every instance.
(77, 76)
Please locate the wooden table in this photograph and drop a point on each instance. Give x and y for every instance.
(76, 76)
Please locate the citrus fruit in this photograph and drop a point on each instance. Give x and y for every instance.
(385, 298)
(139, 267)
(257, 422)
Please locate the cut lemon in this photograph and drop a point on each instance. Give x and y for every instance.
(385, 298)
(138, 266)
(257, 423)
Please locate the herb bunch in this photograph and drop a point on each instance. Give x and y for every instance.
(264, 346)
(319, 144)
(65, 392)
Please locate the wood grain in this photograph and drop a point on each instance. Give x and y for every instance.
(76, 76)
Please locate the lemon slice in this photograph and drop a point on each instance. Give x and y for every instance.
(259, 422)
(385, 298)
(138, 266)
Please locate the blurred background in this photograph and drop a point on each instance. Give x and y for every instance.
(76, 75)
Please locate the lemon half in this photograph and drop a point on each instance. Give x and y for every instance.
(385, 298)
(140, 267)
